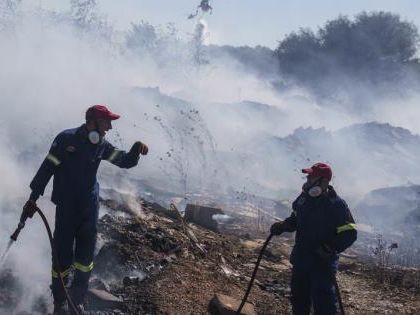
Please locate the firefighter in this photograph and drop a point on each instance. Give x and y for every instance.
(324, 228)
(73, 160)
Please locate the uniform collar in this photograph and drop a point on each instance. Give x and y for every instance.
(82, 132)
(331, 193)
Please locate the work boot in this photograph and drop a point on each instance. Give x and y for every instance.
(59, 309)
(59, 295)
(81, 311)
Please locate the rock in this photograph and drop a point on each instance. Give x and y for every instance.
(131, 281)
(101, 300)
(225, 305)
(164, 212)
(202, 216)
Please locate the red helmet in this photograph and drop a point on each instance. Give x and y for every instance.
(100, 112)
(319, 170)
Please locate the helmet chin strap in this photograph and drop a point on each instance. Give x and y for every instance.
(94, 136)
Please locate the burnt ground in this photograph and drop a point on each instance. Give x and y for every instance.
(183, 277)
(157, 264)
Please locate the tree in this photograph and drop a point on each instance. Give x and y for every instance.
(298, 54)
(383, 36)
(336, 40)
(373, 46)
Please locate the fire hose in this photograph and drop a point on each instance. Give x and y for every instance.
(337, 290)
(14, 237)
(251, 282)
(257, 264)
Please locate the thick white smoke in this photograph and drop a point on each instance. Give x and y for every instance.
(211, 125)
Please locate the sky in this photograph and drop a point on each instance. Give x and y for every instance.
(243, 22)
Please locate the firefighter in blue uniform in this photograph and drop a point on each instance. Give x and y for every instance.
(73, 160)
(324, 228)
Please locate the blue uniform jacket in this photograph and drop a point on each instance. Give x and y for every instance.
(321, 222)
(74, 162)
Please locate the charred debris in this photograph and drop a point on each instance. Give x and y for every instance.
(153, 259)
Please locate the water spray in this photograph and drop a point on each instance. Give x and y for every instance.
(13, 239)
(4, 255)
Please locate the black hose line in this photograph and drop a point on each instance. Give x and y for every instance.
(257, 264)
(251, 282)
(340, 301)
(57, 264)
(75, 310)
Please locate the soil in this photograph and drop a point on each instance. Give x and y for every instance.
(158, 264)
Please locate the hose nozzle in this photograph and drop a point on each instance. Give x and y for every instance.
(15, 234)
(29, 209)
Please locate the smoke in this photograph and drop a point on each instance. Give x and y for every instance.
(212, 124)
(201, 32)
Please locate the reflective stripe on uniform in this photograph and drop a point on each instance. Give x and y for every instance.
(65, 273)
(53, 159)
(83, 268)
(113, 155)
(346, 227)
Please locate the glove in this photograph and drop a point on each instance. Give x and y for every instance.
(139, 148)
(277, 228)
(325, 252)
(143, 149)
(29, 210)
